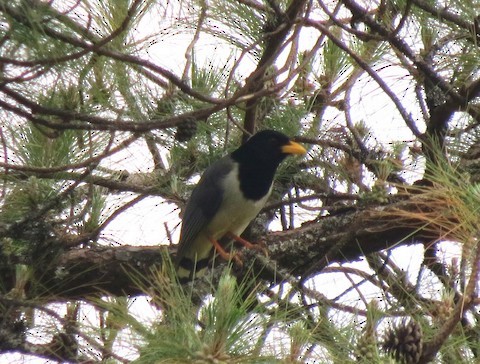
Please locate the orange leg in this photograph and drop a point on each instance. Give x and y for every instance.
(224, 254)
(240, 240)
(247, 244)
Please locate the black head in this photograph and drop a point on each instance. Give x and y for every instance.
(259, 158)
(268, 146)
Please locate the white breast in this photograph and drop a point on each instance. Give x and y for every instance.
(235, 212)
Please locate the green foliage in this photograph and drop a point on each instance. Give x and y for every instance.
(225, 328)
(95, 210)
(335, 62)
(41, 150)
(27, 36)
(26, 197)
(461, 199)
(284, 118)
(244, 24)
(92, 96)
(208, 77)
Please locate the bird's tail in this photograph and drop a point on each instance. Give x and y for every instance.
(189, 268)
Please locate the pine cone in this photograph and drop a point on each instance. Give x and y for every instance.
(186, 130)
(404, 342)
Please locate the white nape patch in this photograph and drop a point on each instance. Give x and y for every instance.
(235, 212)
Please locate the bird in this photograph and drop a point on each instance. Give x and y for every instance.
(229, 195)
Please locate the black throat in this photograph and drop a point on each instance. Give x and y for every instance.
(255, 174)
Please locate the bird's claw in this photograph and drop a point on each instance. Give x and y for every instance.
(259, 247)
(237, 258)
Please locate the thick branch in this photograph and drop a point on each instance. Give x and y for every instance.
(304, 251)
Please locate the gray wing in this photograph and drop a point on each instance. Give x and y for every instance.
(204, 202)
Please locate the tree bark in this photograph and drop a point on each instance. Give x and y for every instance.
(305, 251)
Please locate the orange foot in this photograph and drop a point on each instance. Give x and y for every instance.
(227, 256)
(258, 247)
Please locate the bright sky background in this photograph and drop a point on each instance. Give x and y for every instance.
(145, 223)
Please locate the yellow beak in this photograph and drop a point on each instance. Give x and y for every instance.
(293, 148)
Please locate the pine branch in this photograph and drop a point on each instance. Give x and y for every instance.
(342, 238)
